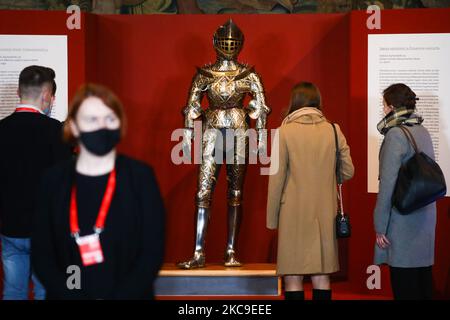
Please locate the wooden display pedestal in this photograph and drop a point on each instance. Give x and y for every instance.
(258, 281)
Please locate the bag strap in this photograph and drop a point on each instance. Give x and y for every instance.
(338, 171)
(338, 156)
(410, 138)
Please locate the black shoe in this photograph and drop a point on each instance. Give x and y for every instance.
(294, 295)
(321, 294)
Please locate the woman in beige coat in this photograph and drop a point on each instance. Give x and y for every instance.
(302, 194)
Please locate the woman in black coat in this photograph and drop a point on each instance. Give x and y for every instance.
(99, 227)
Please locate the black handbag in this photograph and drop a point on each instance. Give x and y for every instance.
(420, 181)
(343, 227)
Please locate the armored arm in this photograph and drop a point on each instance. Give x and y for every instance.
(193, 109)
(258, 109)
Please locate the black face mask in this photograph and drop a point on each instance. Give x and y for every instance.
(100, 142)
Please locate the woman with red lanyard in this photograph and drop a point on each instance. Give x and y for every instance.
(99, 228)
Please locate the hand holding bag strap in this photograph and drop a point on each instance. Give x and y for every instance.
(338, 171)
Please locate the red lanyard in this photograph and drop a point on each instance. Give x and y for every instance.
(24, 109)
(106, 202)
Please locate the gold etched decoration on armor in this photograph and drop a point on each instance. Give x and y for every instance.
(225, 83)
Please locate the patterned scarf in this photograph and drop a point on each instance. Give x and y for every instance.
(398, 117)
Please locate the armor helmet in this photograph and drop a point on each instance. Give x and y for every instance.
(228, 40)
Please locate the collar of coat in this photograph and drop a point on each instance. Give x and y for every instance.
(305, 116)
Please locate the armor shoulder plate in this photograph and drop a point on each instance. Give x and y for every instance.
(245, 73)
(204, 72)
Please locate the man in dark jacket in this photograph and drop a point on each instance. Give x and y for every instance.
(30, 142)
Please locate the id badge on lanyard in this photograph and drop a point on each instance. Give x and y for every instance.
(90, 247)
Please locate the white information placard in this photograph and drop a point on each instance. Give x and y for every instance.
(421, 61)
(20, 51)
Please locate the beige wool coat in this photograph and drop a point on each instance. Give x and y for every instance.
(302, 195)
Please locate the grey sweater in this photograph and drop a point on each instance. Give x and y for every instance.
(412, 236)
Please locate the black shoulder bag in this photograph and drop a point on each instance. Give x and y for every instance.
(343, 227)
(420, 181)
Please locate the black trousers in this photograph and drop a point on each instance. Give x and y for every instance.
(412, 283)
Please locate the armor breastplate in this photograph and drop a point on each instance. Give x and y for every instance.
(226, 84)
(226, 91)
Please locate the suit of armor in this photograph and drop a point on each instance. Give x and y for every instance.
(225, 83)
